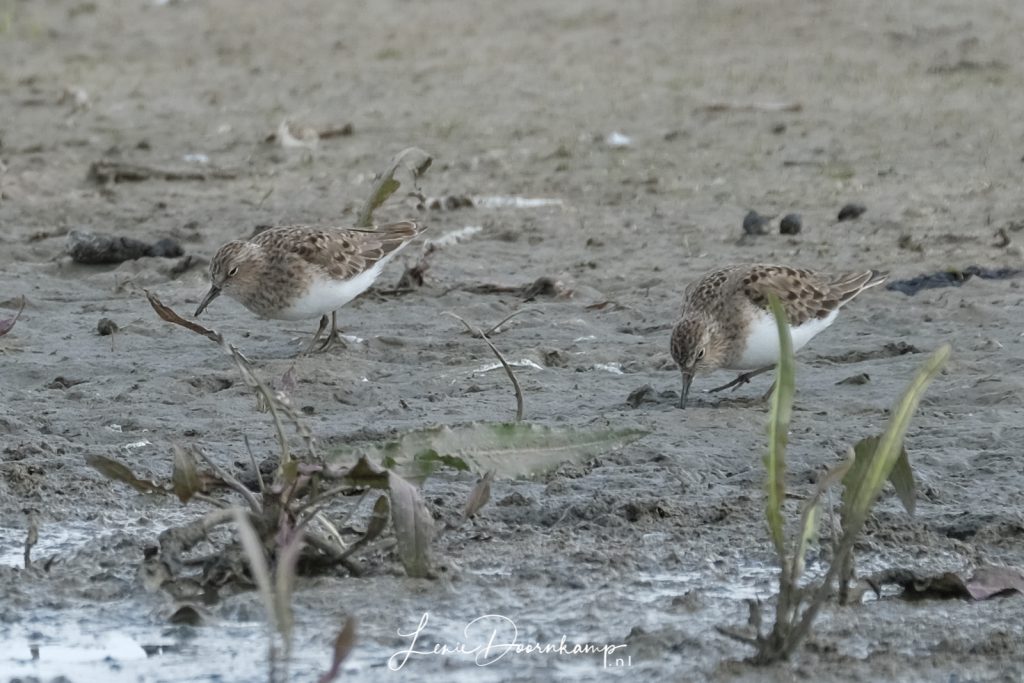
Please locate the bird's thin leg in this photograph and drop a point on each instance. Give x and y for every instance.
(334, 336)
(319, 331)
(741, 380)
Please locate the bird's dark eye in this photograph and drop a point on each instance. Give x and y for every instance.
(233, 272)
(700, 354)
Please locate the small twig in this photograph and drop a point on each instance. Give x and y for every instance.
(215, 502)
(237, 486)
(494, 328)
(475, 331)
(255, 466)
(337, 554)
(736, 635)
(331, 529)
(31, 539)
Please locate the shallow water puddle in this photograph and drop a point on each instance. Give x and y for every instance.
(55, 540)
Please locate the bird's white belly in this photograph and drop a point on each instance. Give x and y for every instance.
(325, 295)
(762, 346)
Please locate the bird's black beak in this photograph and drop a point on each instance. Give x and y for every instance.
(210, 296)
(687, 380)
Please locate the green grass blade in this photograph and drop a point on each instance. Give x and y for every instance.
(778, 428)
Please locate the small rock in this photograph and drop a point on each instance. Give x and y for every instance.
(754, 223)
(851, 211)
(862, 378)
(644, 394)
(106, 327)
(791, 224)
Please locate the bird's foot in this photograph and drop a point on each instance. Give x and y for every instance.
(741, 380)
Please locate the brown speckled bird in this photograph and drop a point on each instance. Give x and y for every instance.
(298, 272)
(725, 320)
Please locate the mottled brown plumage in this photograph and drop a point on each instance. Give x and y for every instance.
(725, 321)
(297, 272)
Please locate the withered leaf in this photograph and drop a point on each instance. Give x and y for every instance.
(343, 645)
(112, 469)
(989, 581)
(185, 476)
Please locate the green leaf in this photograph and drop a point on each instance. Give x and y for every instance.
(811, 514)
(412, 161)
(778, 428)
(865, 480)
(511, 449)
(901, 476)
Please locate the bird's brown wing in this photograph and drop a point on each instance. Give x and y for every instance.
(342, 253)
(804, 294)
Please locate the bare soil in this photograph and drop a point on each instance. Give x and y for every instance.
(911, 109)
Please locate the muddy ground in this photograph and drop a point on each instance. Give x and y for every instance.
(913, 111)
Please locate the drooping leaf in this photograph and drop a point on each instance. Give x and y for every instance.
(414, 526)
(185, 476)
(343, 645)
(112, 469)
(901, 476)
(509, 449)
(7, 324)
(479, 496)
(375, 527)
(778, 428)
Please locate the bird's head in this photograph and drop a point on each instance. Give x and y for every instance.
(697, 348)
(233, 269)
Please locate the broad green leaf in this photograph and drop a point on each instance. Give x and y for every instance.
(865, 483)
(778, 428)
(513, 449)
(901, 476)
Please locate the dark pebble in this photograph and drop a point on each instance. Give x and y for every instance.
(644, 394)
(851, 211)
(754, 223)
(106, 327)
(791, 224)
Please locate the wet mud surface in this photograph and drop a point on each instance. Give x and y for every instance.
(653, 130)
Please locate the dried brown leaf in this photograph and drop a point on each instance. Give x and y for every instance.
(343, 645)
(185, 475)
(112, 469)
(480, 494)
(414, 526)
(989, 581)
(167, 313)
